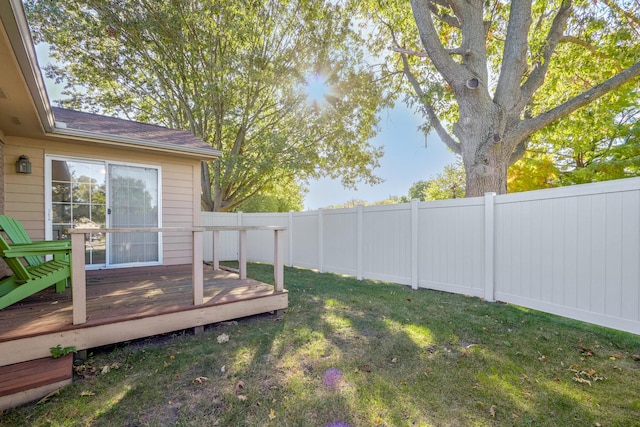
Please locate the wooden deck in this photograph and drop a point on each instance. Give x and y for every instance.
(125, 304)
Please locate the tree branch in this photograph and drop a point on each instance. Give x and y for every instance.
(446, 66)
(433, 118)
(528, 127)
(514, 63)
(444, 17)
(536, 78)
(410, 52)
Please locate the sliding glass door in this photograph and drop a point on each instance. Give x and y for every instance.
(97, 194)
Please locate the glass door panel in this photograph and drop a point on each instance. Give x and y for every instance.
(133, 203)
(78, 200)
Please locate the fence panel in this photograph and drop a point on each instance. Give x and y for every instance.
(386, 243)
(228, 239)
(305, 242)
(451, 246)
(339, 235)
(572, 251)
(260, 242)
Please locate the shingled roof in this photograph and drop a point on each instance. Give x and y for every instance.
(130, 130)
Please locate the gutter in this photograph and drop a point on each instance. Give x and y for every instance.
(204, 152)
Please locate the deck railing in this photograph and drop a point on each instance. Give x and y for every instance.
(78, 275)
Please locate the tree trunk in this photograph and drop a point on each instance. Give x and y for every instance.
(481, 130)
(486, 174)
(205, 182)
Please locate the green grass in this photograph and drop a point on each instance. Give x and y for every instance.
(408, 358)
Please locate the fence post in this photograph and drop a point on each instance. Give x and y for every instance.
(320, 242)
(414, 243)
(489, 246)
(238, 223)
(290, 235)
(359, 240)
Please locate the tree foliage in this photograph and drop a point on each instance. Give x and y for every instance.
(418, 190)
(285, 196)
(490, 75)
(232, 73)
(448, 184)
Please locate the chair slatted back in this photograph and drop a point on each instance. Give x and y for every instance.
(17, 234)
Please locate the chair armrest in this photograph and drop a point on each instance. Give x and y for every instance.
(28, 249)
(44, 245)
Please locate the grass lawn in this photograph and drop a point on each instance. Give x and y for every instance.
(365, 354)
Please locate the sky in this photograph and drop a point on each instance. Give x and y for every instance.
(408, 156)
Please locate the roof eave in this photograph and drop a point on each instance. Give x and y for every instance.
(23, 47)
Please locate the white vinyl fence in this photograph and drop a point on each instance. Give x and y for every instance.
(572, 251)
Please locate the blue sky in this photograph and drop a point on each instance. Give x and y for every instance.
(405, 161)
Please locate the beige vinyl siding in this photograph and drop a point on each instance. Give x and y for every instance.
(177, 210)
(24, 194)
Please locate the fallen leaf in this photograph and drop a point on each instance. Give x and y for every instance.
(87, 393)
(636, 357)
(242, 397)
(366, 368)
(543, 359)
(223, 368)
(272, 414)
(172, 357)
(105, 369)
(239, 386)
(222, 338)
(585, 351)
(394, 360)
(492, 411)
(199, 380)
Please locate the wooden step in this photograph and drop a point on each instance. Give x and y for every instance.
(31, 380)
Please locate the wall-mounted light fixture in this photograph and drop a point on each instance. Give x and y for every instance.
(23, 165)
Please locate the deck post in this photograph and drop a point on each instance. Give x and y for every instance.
(242, 254)
(197, 268)
(278, 259)
(216, 249)
(78, 279)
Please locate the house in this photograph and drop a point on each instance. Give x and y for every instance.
(63, 169)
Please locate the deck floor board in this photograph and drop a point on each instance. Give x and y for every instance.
(127, 293)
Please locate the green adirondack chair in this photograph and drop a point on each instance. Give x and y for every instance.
(35, 273)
